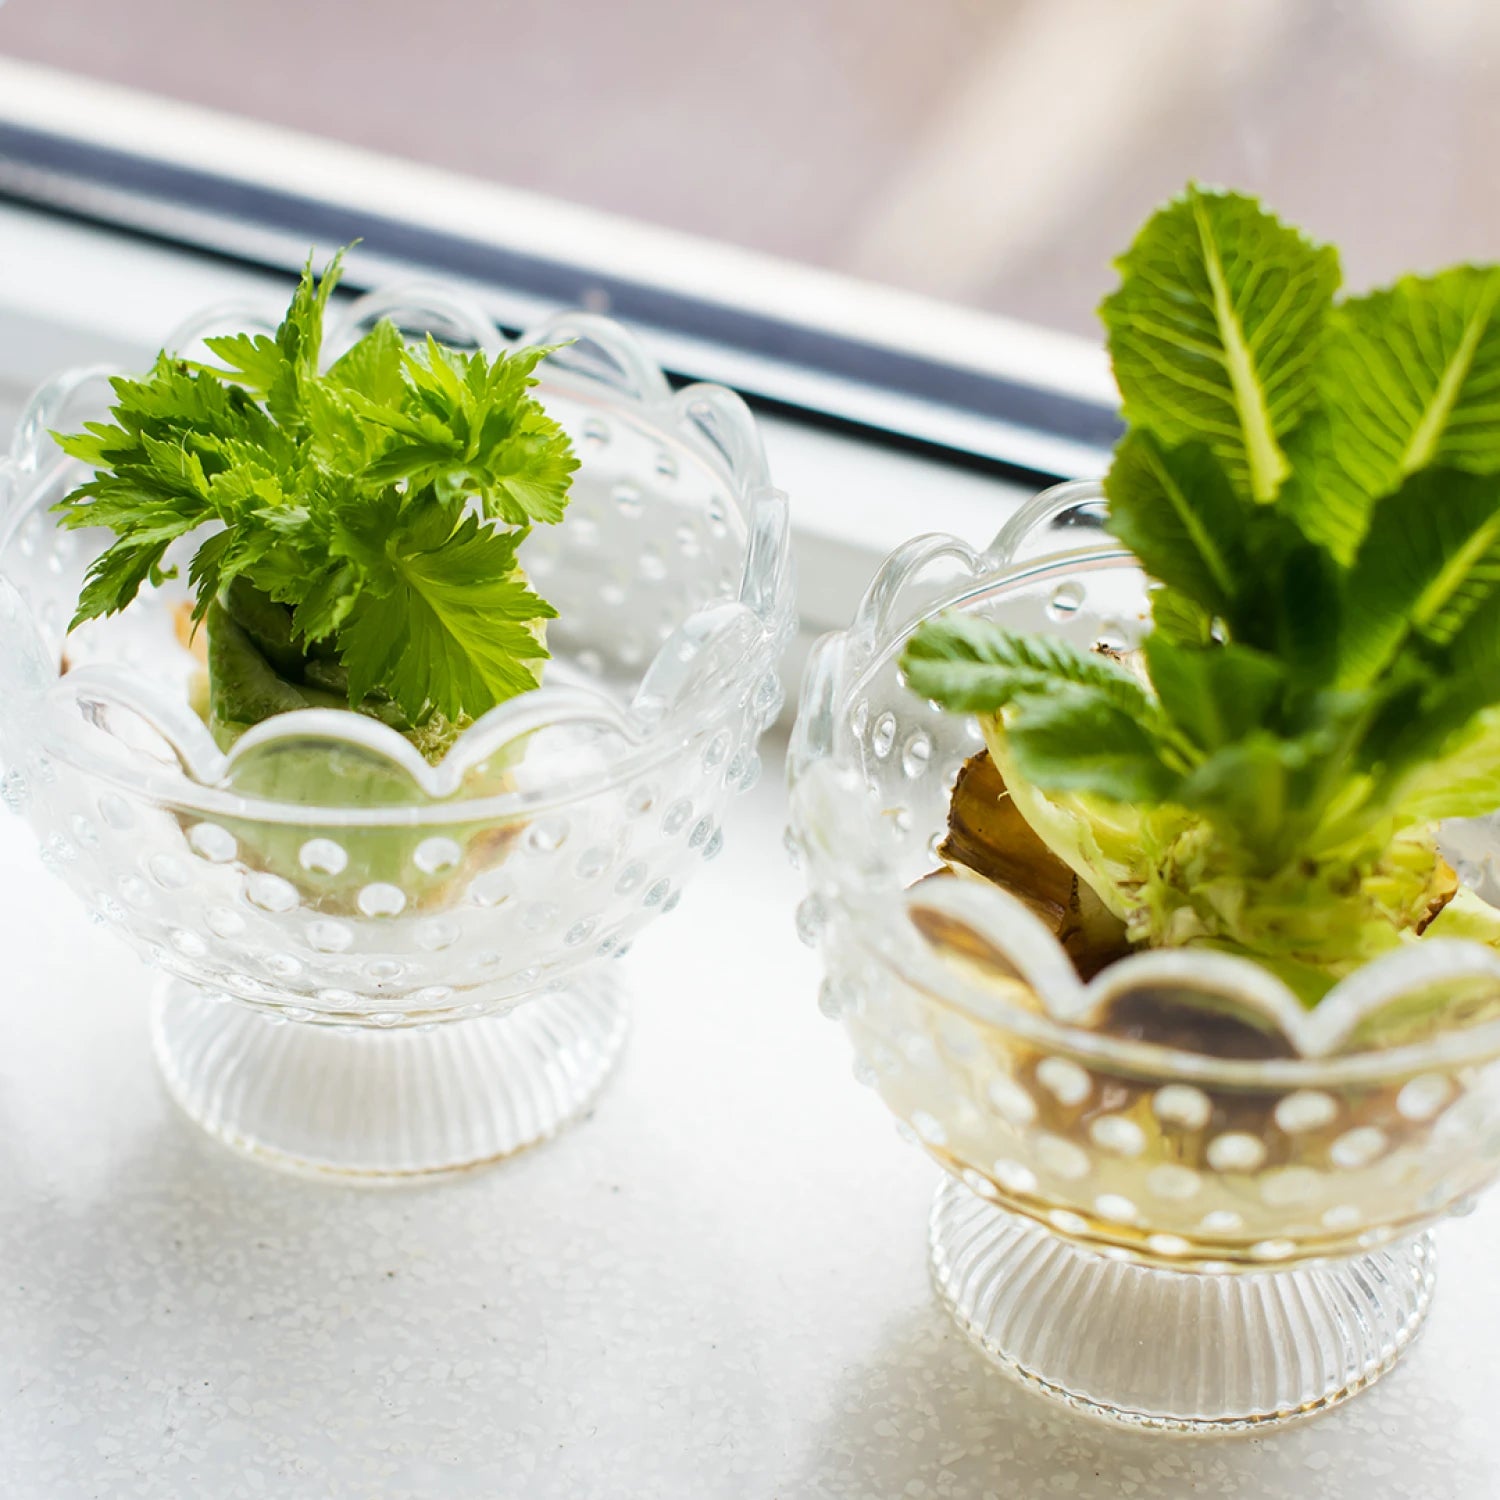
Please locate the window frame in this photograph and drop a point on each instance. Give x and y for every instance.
(1022, 403)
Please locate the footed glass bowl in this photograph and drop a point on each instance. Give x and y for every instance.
(1176, 1198)
(408, 973)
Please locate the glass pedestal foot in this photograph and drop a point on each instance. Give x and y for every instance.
(1174, 1349)
(396, 1103)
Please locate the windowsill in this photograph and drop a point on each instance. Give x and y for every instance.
(714, 1286)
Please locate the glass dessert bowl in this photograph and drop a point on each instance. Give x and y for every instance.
(1175, 1197)
(371, 964)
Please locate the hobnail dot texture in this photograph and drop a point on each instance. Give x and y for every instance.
(1138, 1220)
(1170, 1166)
(1171, 1349)
(651, 536)
(395, 895)
(907, 752)
(1168, 1172)
(345, 921)
(444, 917)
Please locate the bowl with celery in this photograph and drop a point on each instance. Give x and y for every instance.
(378, 679)
(1149, 847)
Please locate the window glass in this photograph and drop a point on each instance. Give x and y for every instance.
(992, 152)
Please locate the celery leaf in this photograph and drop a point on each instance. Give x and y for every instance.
(361, 523)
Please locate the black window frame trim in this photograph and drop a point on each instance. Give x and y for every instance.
(1028, 433)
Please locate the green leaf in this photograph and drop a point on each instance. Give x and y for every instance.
(1215, 330)
(327, 601)
(530, 480)
(1474, 651)
(1246, 787)
(1409, 378)
(1079, 738)
(446, 627)
(971, 664)
(1314, 494)
(1428, 563)
(1246, 565)
(1422, 721)
(254, 360)
(373, 366)
(468, 421)
(116, 576)
(1293, 603)
(343, 503)
(300, 334)
(1217, 694)
(1176, 510)
(1459, 779)
(1177, 618)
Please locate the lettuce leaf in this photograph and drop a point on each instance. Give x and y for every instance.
(1216, 329)
(1313, 488)
(1409, 378)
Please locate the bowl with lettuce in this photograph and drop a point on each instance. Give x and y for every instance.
(1149, 847)
(378, 678)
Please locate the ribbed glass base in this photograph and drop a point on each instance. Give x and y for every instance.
(396, 1103)
(1174, 1349)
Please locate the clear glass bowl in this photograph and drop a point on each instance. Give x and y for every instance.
(400, 924)
(1176, 1198)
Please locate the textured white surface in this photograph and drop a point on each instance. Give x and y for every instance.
(714, 1287)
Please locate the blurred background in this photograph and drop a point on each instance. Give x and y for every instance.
(996, 153)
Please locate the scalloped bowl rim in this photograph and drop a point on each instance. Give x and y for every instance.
(655, 728)
(880, 910)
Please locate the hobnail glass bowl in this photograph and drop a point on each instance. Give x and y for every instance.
(1175, 1198)
(344, 984)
